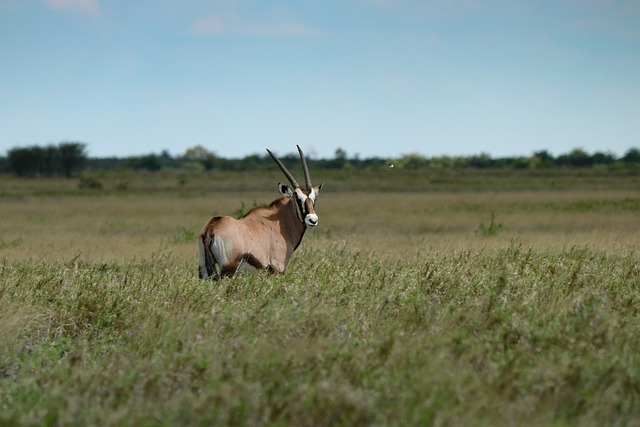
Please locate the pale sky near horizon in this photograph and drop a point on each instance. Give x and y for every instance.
(373, 77)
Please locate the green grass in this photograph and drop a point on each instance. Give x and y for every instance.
(338, 181)
(433, 298)
(493, 337)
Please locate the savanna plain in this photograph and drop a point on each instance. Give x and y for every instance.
(438, 297)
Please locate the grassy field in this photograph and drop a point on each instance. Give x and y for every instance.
(439, 298)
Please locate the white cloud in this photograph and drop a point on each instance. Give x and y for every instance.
(90, 7)
(215, 26)
(282, 29)
(211, 25)
(621, 18)
(241, 18)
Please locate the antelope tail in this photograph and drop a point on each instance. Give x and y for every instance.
(207, 260)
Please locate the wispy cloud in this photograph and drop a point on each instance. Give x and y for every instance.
(618, 18)
(244, 18)
(209, 26)
(89, 7)
(215, 26)
(458, 6)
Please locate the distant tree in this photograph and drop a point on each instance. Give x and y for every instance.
(543, 158)
(600, 158)
(632, 156)
(339, 160)
(577, 158)
(442, 162)
(200, 154)
(50, 160)
(22, 161)
(481, 161)
(522, 162)
(374, 162)
(33, 161)
(413, 161)
(71, 157)
(63, 159)
(150, 162)
(340, 154)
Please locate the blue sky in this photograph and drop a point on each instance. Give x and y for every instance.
(373, 77)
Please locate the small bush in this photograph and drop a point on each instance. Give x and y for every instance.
(184, 235)
(123, 185)
(491, 229)
(89, 182)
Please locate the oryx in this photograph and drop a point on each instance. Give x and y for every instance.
(266, 236)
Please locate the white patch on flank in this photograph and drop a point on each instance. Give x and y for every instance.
(221, 250)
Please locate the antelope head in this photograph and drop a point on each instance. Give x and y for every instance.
(304, 198)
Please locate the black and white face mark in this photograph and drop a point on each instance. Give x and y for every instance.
(306, 206)
(304, 203)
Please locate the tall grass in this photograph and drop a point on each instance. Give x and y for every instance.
(396, 310)
(119, 228)
(493, 337)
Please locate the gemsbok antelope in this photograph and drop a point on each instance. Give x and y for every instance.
(266, 236)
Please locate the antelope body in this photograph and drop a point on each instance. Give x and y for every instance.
(265, 237)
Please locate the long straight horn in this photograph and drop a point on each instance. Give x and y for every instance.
(305, 168)
(284, 170)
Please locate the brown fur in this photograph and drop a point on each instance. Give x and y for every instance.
(264, 238)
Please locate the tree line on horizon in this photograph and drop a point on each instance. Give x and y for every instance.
(69, 158)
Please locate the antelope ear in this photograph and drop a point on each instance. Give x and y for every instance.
(316, 189)
(285, 190)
